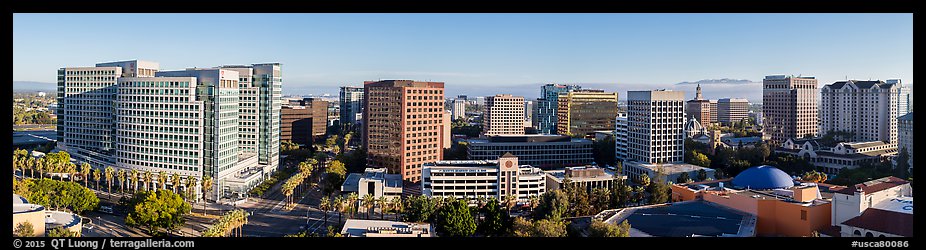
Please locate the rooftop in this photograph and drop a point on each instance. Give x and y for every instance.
(19, 199)
(687, 219)
(907, 117)
(26, 208)
(527, 139)
(874, 186)
(672, 168)
(384, 228)
(884, 221)
(60, 219)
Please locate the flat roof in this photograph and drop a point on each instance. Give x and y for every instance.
(528, 138)
(358, 228)
(463, 163)
(25, 208)
(61, 219)
(19, 199)
(671, 168)
(685, 219)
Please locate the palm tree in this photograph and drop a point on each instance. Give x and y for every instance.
(206, 186)
(72, 171)
(162, 179)
(30, 164)
(352, 203)
(40, 166)
(133, 179)
(85, 172)
(188, 187)
(382, 206)
(109, 171)
(148, 179)
(175, 181)
(510, 202)
(288, 190)
(534, 201)
(397, 206)
(97, 175)
(324, 205)
(338, 205)
(120, 175)
(369, 203)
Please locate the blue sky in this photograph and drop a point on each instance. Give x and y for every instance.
(482, 54)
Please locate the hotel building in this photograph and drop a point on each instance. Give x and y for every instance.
(868, 109)
(789, 104)
(503, 115)
(403, 124)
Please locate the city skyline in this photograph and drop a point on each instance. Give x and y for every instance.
(487, 54)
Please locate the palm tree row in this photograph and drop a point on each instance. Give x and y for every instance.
(231, 224)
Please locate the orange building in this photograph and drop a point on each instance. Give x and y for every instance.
(403, 125)
(789, 210)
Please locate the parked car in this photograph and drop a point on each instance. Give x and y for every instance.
(106, 209)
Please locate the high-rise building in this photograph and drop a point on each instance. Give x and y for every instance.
(620, 137)
(904, 97)
(701, 109)
(545, 118)
(351, 104)
(296, 124)
(789, 104)
(655, 126)
(320, 113)
(503, 115)
(905, 134)
(458, 108)
(528, 113)
(403, 123)
(131, 116)
(866, 109)
(334, 114)
(585, 111)
(264, 85)
(446, 136)
(732, 110)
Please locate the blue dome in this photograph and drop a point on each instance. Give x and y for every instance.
(763, 177)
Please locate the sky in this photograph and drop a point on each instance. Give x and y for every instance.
(483, 54)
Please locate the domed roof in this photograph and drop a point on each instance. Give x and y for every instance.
(763, 177)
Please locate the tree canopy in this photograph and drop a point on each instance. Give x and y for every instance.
(154, 210)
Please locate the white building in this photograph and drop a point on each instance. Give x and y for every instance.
(876, 208)
(905, 134)
(656, 126)
(731, 110)
(904, 97)
(351, 105)
(844, 155)
(693, 128)
(458, 107)
(866, 108)
(385, 228)
(620, 137)
(528, 113)
(587, 176)
(468, 179)
(633, 171)
(503, 115)
(374, 181)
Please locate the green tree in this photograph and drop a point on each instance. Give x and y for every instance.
(903, 164)
(683, 178)
(60, 232)
(659, 190)
(338, 205)
(553, 205)
(697, 158)
(156, 210)
(85, 172)
(418, 209)
(599, 228)
(643, 180)
(206, 187)
(97, 175)
(61, 194)
(325, 205)
(368, 203)
(24, 229)
(549, 228)
(334, 176)
(455, 220)
(497, 222)
(120, 175)
(108, 173)
(702, 175)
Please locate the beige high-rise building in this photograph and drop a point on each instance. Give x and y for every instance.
(731, 110)
(585, 111)
(656, 126)
(701, 109)
(789, 104)
(403, 124)
(865, 108)
(503, 115)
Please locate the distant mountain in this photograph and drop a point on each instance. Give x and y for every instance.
(718, 81)
(34, 86)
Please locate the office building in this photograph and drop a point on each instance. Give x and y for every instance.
(296, 124)
(542, 151)
(732, 110)
(470, 179)
(321, 111)
(545, 114)
(655, 124)
(385, 228)
(446, 129)
(528, 113)
(584, 111)
(375, 182)
(904, 97)
(780, 205)
(187, 122)
(789, 104)
(351, 104)
(844, 155)
(867, 109)
(620, 137)
(905, 134)
(403, 123)
(458, 107)
(588, 177)
(876, 208)
(701, 109)
(503, 115)
(334, 114)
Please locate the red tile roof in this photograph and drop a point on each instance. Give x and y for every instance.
(874, 186)
(884, 221)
